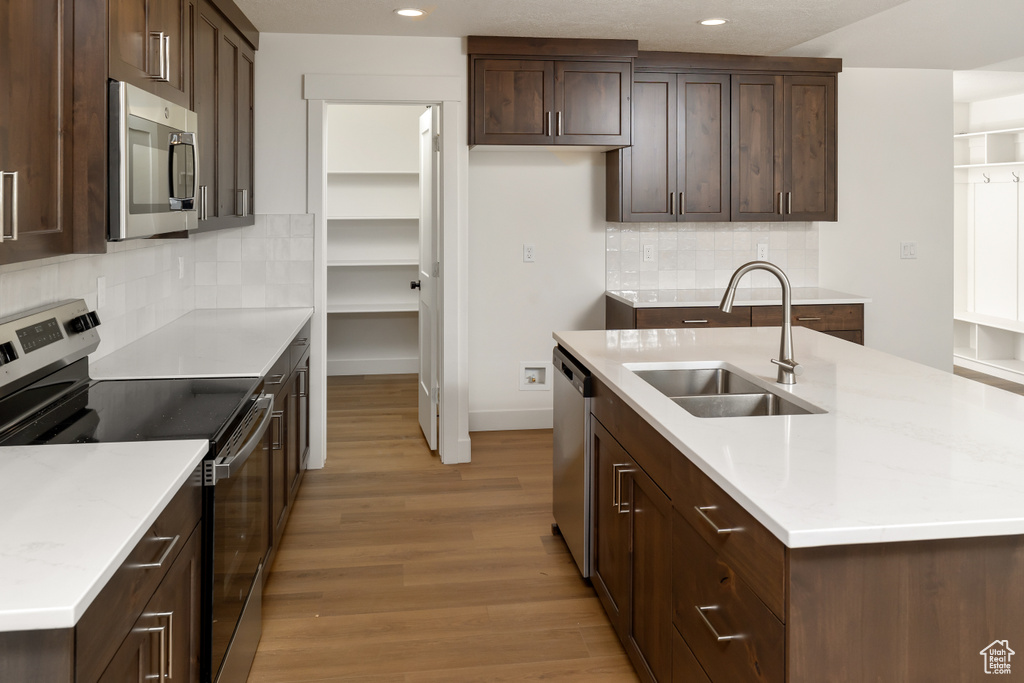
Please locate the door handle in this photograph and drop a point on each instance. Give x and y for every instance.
(14, 207)
(415, 284)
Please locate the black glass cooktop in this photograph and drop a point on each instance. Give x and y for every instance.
(139, 410)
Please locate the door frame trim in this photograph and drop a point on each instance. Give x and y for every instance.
(450, 94)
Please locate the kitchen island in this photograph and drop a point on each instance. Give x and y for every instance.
(878, 540)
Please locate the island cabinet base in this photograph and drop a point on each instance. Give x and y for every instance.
(917, 611)
(743, 607)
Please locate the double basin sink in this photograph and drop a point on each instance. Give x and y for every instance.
(715, 390)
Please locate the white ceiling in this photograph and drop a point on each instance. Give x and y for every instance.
(926, 34)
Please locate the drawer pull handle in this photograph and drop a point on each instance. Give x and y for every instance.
(714, 631)
(617, 488)
(276, 379)
(301, 341)
(701, 510)
(167, 551)
(807, 320)
(696, 322)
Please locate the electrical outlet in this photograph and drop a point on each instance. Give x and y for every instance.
(648, 253)
(908, 250)
(762, 251)
(528, 253)
(101, 292)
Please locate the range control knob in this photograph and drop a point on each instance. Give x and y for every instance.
(84, 322)
(7, 353)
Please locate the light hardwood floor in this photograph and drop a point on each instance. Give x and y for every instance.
(396, 568)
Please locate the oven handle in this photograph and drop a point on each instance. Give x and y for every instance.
(231, 465)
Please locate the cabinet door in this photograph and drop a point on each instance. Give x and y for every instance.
(610, 569)
(293, 455)
(150, 46)
(810, 148)
(703, 161)
(303, 410)
(514, 100)
(592, 103)
(228, 82)
(278, 469)
(204, 93)
(757, 148)
(164, 642)
(35, 135)
(649, 639)
(648, 174)
(244, 178)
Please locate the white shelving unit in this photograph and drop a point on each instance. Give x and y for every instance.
(372, 239)
(988, 329)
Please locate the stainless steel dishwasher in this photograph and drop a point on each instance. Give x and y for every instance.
(571, 466)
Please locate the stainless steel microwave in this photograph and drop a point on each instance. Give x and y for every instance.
(153, 163)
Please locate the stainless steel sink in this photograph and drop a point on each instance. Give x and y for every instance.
(697, 381)
(739, 405)
(714, 390)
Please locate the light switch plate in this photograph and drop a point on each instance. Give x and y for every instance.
(908, 250)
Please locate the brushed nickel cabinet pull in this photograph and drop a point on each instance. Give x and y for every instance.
(696, 322)
(558, 123)
(547, 123)
(789, 202)
(807, 320)
(682, 204)
(702, 511)
(243, 202)
(163, 557)
(277, 444)
(14, 207)
(622, 507)
(274, 380)
(167, 654)
(671, 203)
(780, 203)
(163, 52)
(714, 631)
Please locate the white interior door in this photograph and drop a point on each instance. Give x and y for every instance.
(428, 272)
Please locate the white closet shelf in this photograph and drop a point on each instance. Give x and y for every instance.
(389, 307)
(371, 263)
(990, 321)
(997, 163)
(365, 173)
(373, 218)
(988, 132)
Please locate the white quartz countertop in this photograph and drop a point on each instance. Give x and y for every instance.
(235, 342)
(905, 452)
(70, 515)
(750, 296)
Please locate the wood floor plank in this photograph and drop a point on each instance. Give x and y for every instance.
(395, 568)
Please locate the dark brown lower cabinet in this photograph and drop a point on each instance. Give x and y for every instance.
(287, 439)
(632, 556)
(745, 608)
(164, 642)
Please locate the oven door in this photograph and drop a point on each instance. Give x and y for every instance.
(235, 540)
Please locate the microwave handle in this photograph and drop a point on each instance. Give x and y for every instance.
(187, 203)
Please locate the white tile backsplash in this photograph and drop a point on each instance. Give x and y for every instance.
(222, 269)
(704, 255)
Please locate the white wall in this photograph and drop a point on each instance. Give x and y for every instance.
(895, 184)
(280, 125)
(554, 201)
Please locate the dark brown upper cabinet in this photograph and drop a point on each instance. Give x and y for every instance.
(223, 101)
(784, 159)
(150, 46)
(36, 68)
(678, 166)
(528, 91)
(727, 138)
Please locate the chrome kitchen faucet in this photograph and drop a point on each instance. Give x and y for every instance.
(788, 367)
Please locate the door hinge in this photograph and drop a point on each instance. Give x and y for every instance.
(437, 142)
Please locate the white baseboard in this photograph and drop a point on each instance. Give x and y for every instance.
(373, 366)
(501, 420)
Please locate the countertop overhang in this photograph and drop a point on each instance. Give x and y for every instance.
(905, 452)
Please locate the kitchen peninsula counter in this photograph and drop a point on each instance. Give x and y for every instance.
(904, 452)
(745, 296)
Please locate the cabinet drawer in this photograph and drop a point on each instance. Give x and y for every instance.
(823, 318)
(685, 668)
(749, 546)
(730, 631)
(299, 346)
(110, 617)
(696, 316)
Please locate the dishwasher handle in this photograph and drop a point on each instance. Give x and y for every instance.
(572, 370)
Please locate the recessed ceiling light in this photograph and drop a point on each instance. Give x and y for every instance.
(410, 12)
(713, 22)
